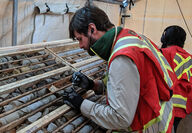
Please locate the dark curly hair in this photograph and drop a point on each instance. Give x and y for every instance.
(173, 35)
(86, 15)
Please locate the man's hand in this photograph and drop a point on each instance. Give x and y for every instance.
(73, 97)
(81, 80)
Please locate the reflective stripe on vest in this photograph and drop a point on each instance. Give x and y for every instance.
(135, 41)
(164, 118)
(183, 66)
(179, 101)
(166, 107)
(162, 61)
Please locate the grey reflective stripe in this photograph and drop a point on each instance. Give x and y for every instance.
(128, 41)
(166, 117)
(179, 101)
(165, 61)
(138, 41)
(169, 82)
(183, 67)
(177, 58)
(189, 75)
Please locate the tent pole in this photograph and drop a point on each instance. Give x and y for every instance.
(14, 22)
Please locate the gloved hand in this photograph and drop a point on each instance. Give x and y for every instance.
(81, 80)
(73, 97)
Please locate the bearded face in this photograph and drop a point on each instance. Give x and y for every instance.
(85, 41)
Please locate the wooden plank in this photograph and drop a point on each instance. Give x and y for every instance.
(5, 102)
(50, 117)
(95, 58)
(62, 126)
(82, 52)
(61, 59)
(18, 67)
(83, 124)
(32, 101)
(97, 65)
(28, 58)
(4, 53)
(23, 73)
(17, 122)
(17, 49)
(45, 120)
(10, 87)
(66, 123)
(77, 57)
(93, 131)
(66, 47)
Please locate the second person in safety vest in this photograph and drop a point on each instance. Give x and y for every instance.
(173, 40)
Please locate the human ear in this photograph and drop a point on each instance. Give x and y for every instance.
(92, 30)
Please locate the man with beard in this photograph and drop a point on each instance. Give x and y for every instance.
(139, 85)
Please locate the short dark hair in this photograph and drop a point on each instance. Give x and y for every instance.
(86, 15)
(173, 35)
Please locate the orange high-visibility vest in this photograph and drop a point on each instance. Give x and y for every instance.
(156, 80)
(181, 63)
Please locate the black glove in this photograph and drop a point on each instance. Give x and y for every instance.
(73, 97)
(81, 80)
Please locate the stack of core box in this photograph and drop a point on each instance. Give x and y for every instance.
(32, 82)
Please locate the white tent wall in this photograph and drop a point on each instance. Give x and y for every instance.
(35, 28)
(32, 28)
(55, 27)
(149, 17)
(25, 22)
